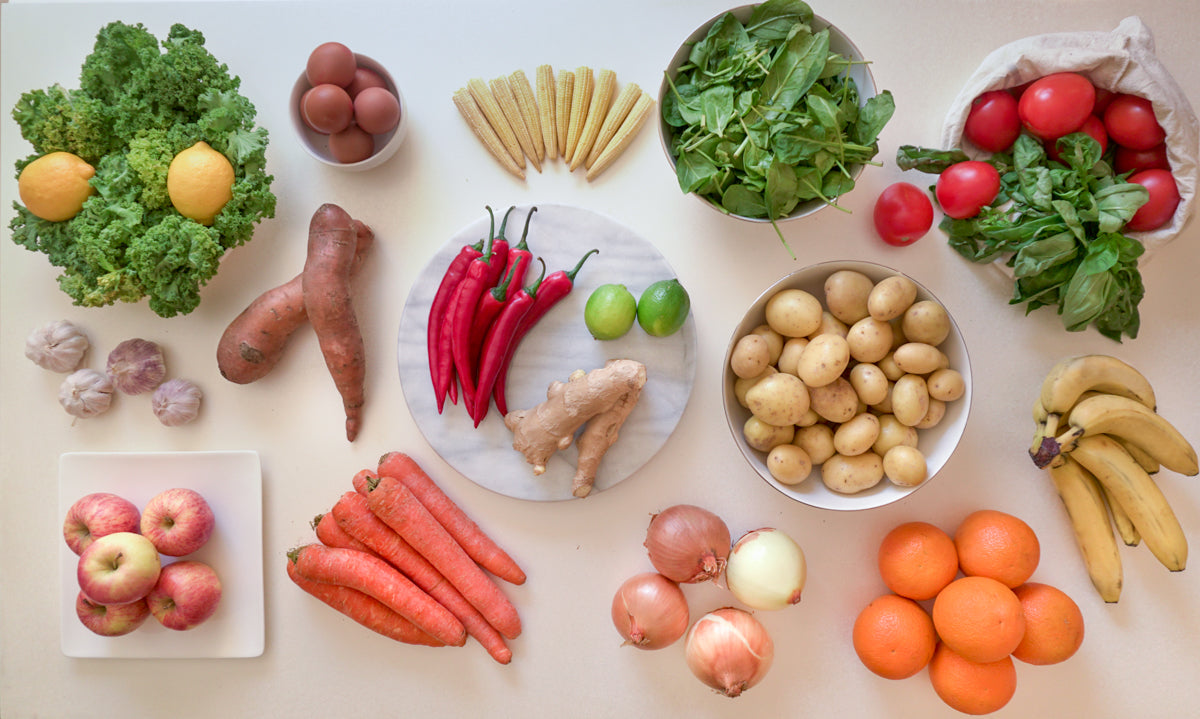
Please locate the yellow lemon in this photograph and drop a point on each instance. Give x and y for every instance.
(200, 182)
(55, 186)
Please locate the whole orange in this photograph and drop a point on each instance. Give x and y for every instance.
(917, 559)
(1053, 624)
(979, 618)
(972, 687)
(893, 637)
(997, 545)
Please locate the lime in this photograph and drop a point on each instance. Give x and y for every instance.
(610, 311)
(663, 308)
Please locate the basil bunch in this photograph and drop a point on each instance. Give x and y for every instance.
(766, 117)
(1062, 222)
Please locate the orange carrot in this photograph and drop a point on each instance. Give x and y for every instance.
(392, 502)
(354, 517)
(362, 479)
(376, 578)
(477, 544)
(367, 611)
(331, 535)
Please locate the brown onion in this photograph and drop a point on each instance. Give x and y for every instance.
(688, 544)
(729, 650)
(650, 611)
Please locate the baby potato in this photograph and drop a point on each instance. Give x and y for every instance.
(910, 399)
(817, 441)
(790, 355)
(765, 437)
(780, 399)
(889, 368)
(773, 338)
(823, 360)
(830, 325)
(934, 415)
(891, 297)
(789, 464)
(835, 401)
(870, 340)
(869, 383)
(892, 433)
(850, 475)
(946, 384)
(884, 406)
(905, 466)
(809, 418)
(856, 436)
(742, 385)
(846, 293)
(751, 355)
(898, 337)
(919, 358)
(793, 313)
(926, 321)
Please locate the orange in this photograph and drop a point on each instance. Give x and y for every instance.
(916, 560)
(972, 687)
(979, 618)
(1053, 624)
(893, 637)
(997, 545)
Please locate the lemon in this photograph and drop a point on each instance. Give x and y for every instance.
(610, 311)
(200, 182)
(55, 186)
(663, 308)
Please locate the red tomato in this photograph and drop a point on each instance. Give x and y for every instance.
(1093, 126)
(903, 214)
(1160, 208)
(1127, 160)
(993, 124)
(964, 188)
(1103, 98)
(1130, 122)
(1056, 105)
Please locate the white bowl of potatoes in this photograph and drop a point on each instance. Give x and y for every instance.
(847, 385)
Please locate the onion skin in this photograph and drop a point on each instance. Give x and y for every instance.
(729, 650)
(650, 611)
(688, 544)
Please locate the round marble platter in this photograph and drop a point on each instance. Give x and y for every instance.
(558, 345)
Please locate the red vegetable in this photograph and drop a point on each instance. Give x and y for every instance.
(1131, 123)
(441, 367)
(1056, 105)
(1093, 127)
(1127, 160)
(964, 188)
(903, 214)
(519, 256)
(499, 338)
(993, 123)
(1160, 208)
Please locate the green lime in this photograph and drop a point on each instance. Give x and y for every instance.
(610, 311)
(663, 308)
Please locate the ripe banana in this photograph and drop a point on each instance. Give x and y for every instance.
(1136, 493)
(1124, 525)
(1131, 421)
(1144, 460)
(1073, 376)
(1083, 498)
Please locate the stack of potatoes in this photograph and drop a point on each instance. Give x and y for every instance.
(847, 384)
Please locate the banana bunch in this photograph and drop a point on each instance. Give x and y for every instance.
(1097, 433)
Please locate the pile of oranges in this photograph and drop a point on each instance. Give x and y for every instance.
(971, 626)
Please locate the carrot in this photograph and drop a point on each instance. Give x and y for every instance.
(253, 343)
(392, 502)
(362, 479)
(374, 577)
(326, 287)
(477, 544)
(331, 535)
(354, 517)
(367, 611)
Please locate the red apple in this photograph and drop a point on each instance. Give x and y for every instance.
(118, 568)
(186, 594)
(96, 515)
(112, 620)
(178, 521)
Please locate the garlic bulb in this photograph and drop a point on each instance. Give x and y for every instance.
(136, 366)
(86, 393)
(58, 346)
(176, 402)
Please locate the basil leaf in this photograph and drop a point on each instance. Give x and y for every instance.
(923, 159)
(1088, 295)
(1039, 256)
(1118, 203)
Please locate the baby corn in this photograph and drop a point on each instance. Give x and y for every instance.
(507, 100)
(546, 108)
(479, 125)
(563, 97)
(606, 82)
(495, 116)
(612, 121)
(527, 104)
(585, 83)
(625, 134)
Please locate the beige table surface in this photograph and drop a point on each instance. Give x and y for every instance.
(1139, 658)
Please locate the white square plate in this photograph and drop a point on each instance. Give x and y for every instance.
(231, 482)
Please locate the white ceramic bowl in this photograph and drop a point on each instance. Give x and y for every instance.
(936, 443)
(317, 144)
(860, 71)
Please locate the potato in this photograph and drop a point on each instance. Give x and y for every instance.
(773, 338)
(905, 466)
(809, 419)
(835, 401)
(817, 441)
(765, 437)
(926, 321)
(889, 368)
(793, 313)
(919, 358)
(946, 384)
(751, 355)
(780, 399)
(890, 297)
(898, 337)
(789, 464)
(892, 433)
(884, 406)
(823, 360)
(846, 293)
(742, 385)
(910, 399)
(849, 475)
(869, 383)
(830, 325)
(857, 435)
(870, 340)
(933, 417)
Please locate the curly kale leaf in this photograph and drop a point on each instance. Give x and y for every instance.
(173, 259)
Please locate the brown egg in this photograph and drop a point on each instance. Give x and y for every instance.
(364, 78)
(332, 63)
(327, 109)
(351, 145)
(376, 110)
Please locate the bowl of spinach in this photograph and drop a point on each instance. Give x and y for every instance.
(770, 113)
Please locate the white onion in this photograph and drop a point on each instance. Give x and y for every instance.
(729, 650)
(650, 611)
(766, 570)
(687, 543)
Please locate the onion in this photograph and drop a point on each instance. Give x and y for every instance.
(687, 543)
(650, 611)
(729, 650)
(766, 570)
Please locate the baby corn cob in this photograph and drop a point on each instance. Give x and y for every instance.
(546, 108)
(625, 134)
(495, 116)
(581, 98)
(563, 97)
(527, 104)
(507, 100)
(616, 115)
(479, 125)
(606, 82)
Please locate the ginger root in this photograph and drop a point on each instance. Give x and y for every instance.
(602, 399)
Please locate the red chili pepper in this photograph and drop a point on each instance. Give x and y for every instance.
(437, 311)
(458, 320)
(498, 264)
(553, 288)
(519, 256)
(489, 308)
(500, 336)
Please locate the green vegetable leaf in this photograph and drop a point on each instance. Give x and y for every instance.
(923, 159)
(873, 116)
(794, 71)
(774, 19)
